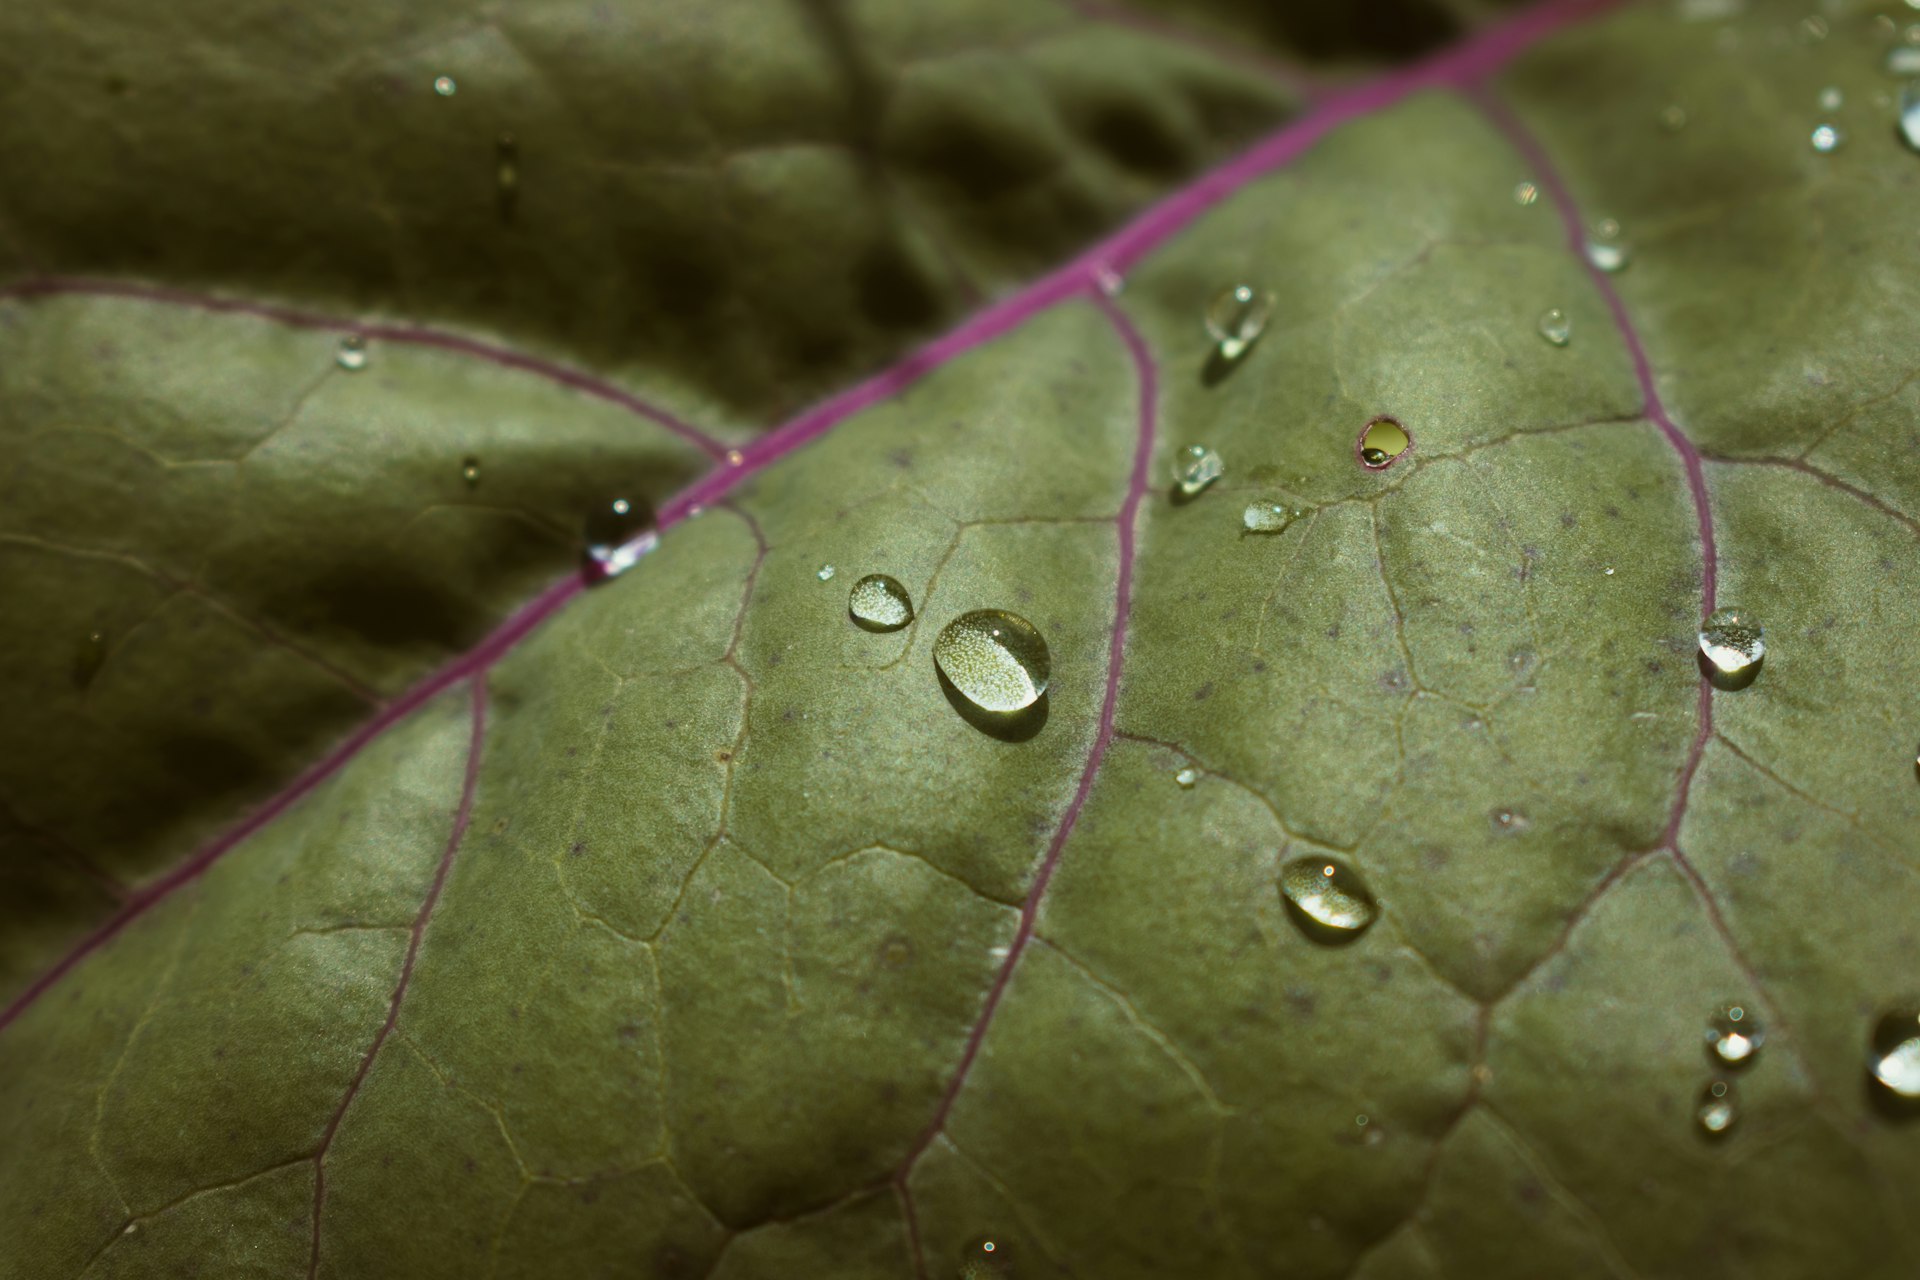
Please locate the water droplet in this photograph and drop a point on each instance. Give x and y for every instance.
(1910, 115)
(997, 660)
(1719, 1108)
(1555, 327)
(735, 457)
(987, 1257)
(1605, 249)
(1912, 34)
(618, 532)
(1525, 194)
(1826, 138)
(88, 657)
(1327, 899)
(506, 174)
(1831, 98)
(880, 603)
(1893, 1054)
(1236, 317)
(1195, 467)
(1109, 281)
(444, 86)
(1382, 442)
(470, 471)
(1267, 517)
(1510, 822)
(1734, 1035)
(1187, 777)
(352, 353)
(824, 573)
(1731, 640)
(1673, 117)
(1903, 60)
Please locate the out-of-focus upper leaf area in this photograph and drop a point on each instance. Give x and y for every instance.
(1370, 892)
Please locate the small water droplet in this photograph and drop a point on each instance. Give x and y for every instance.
(1195, 467)
(617, 533)
(1382, 442)
(1525, 194)
(1510, 821)
(1187, 777)
(1734, 1035)
(824, 573)
(1831, 98)
(996, 660)
(352, 353)
(1107, 280)
(1237, 316)
(1719, 1108)
(1267, 517)
(1910, 115)
(1826, 138)
(988, 1257)
(444, 86)
(1673, 117)
(1605, 249)
(88, 657)
(1555, 327)
(879, 603)
(1608, 570)
(470, 471)
(1893, 1053)
(1731, 640)
(1327, 899)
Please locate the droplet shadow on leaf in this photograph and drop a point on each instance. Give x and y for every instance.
(1728, 681)
(1218, 366)
(1008, 726)
(1887, 1104)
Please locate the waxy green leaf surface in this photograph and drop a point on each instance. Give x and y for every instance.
(380, 902)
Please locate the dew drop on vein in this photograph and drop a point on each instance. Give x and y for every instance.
(1893, 1053)
(1605, 249)
(879, 603)
(1236, 318)
(1195, 467)
(997, 660)
(1265, 516)
(1327, 899)
(1555, 327)
(1719, 1108)
(1734, 1035)
(1732, 642)
(987, 1257)
(351, 354)
(617, 533)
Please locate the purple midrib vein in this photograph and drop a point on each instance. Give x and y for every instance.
(1462, 65)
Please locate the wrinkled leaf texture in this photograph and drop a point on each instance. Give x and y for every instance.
(379, 902)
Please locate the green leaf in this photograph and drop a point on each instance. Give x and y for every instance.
(381, 902)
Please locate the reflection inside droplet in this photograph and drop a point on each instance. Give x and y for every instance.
(997, 660)
(1382, 442)
(1326, 898)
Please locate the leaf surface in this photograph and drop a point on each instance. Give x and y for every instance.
(680, 927)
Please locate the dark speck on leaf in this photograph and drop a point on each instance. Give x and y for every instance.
(1204, 692)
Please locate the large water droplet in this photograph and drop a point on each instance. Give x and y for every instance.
(988, 1257)
(1910, 113)
(1893, 1054)
(1826, 138)
(1732, 643)
(1555, 327)
(1327, 899)
(1605, 249)
(1267, 517)
(1381, 442)
(1719, 1108)
(1237, 316)
(997, 660)
(880, 603)
(618, 532)
(351, 355)
(444, 86)
(1195, 467)
(1734, 1035)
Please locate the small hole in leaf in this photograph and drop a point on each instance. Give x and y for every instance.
(1383, 441)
